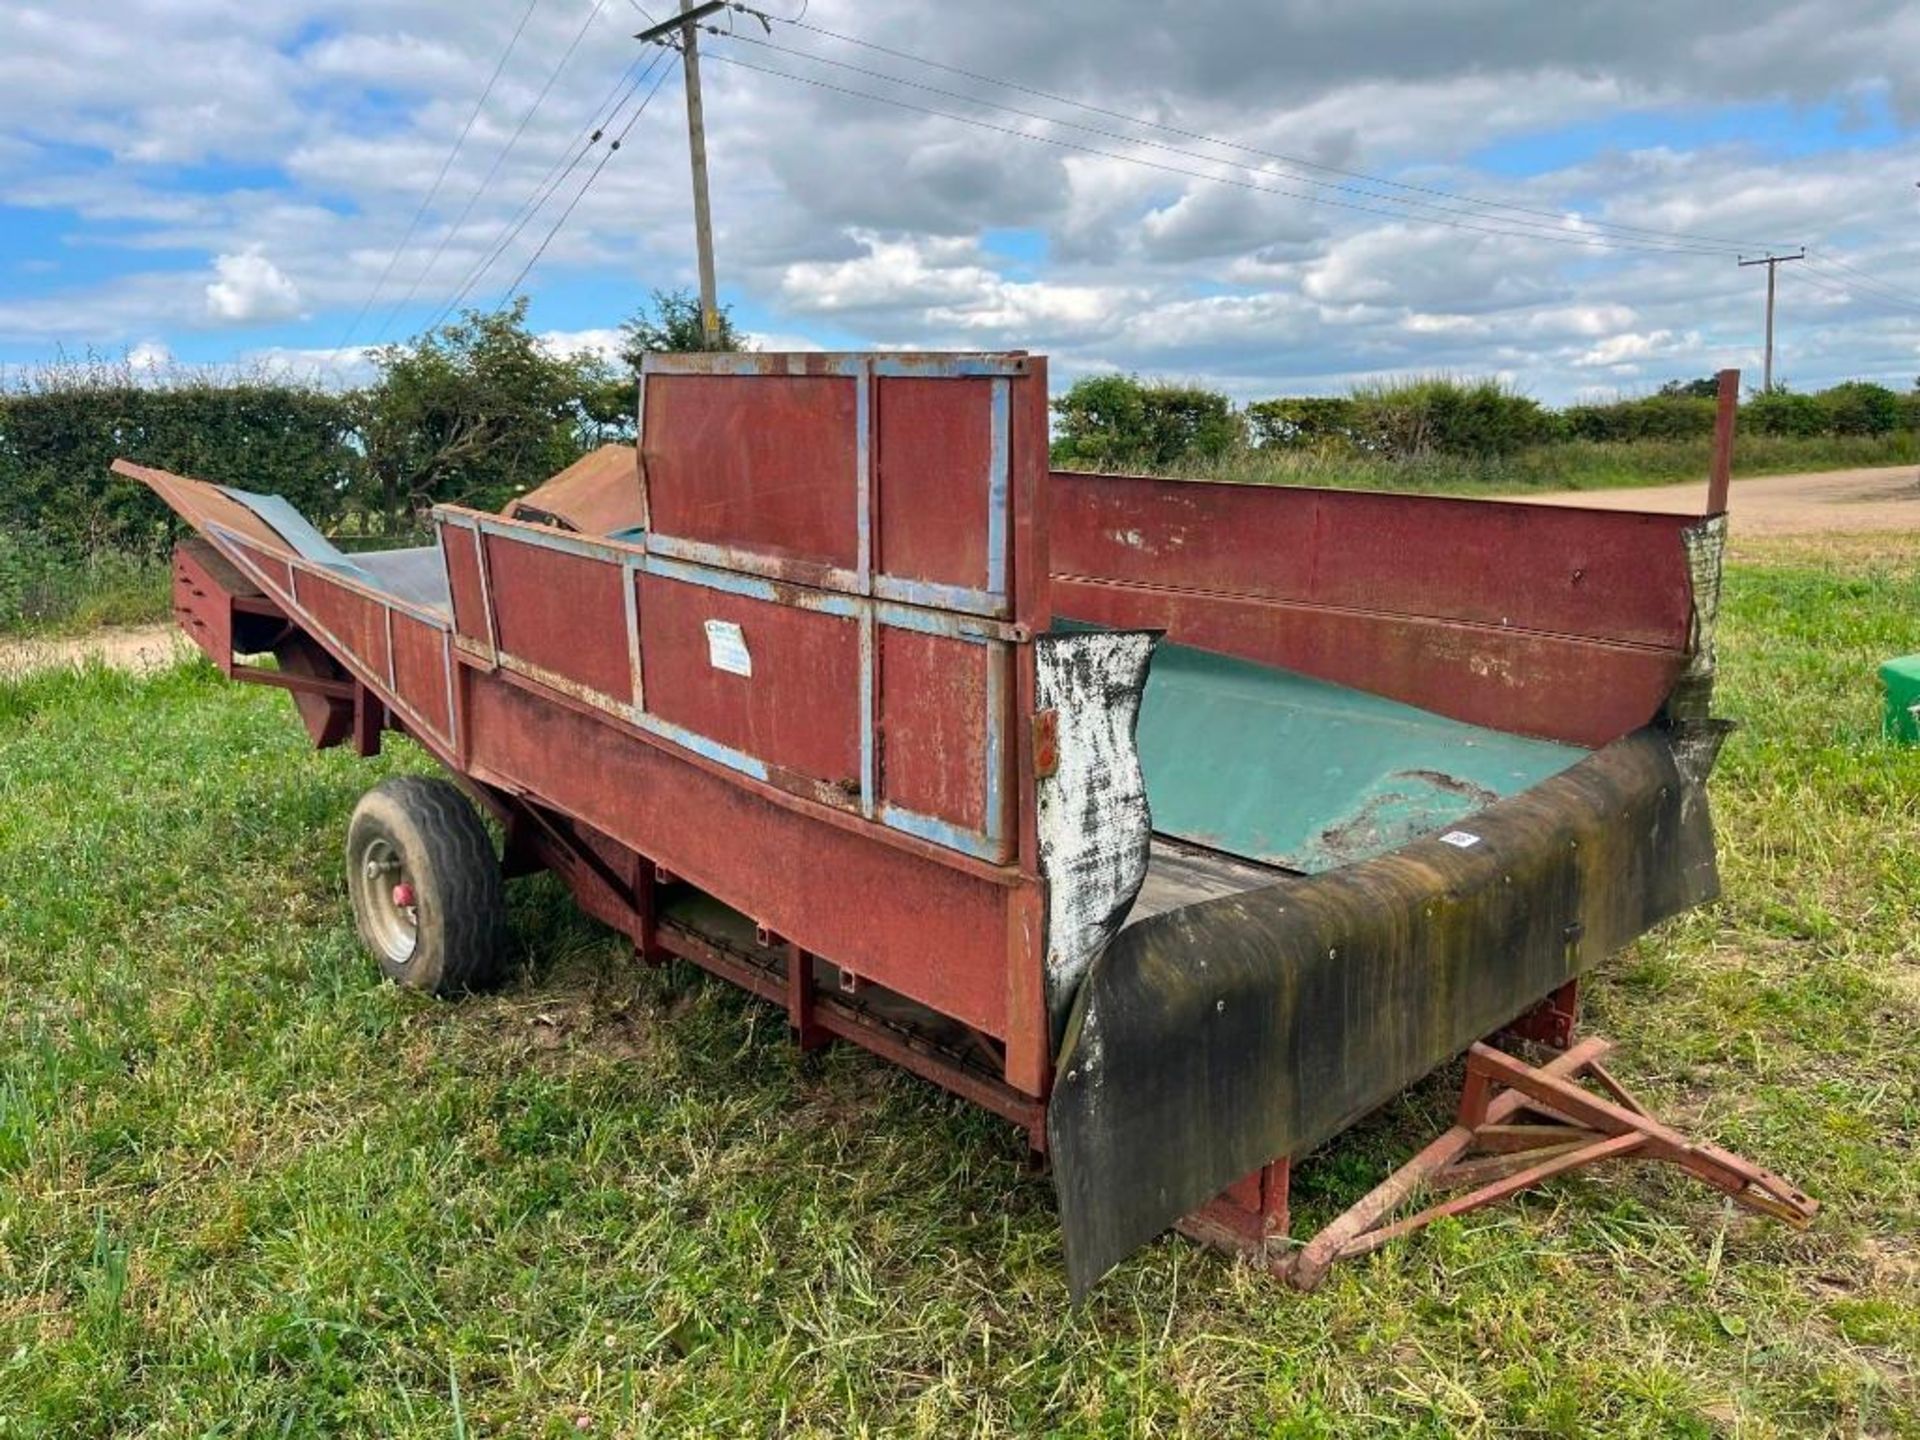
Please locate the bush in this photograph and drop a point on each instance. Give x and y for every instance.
(1666, 416)
(1118, 422)
(1443, 416)
(1860, 407)
(61, 431)
(1781, 412)
(1308, 422)
(45, 586)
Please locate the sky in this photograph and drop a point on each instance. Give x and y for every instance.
(1287, 197)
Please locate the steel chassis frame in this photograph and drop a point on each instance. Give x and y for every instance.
(1518, 1126)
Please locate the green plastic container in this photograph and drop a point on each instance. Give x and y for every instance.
(1902, 680)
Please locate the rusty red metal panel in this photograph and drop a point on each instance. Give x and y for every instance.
(797, 707)
(1556, 687)
(933, 726)
(203, 608)
(460, 548)
(930, 929)
(1031, 517)
(767, 465)
(936, 458)
(563, 613)
(358, 624)
(202, 505)
(420, 677)
(598, 494)
(1611, 575)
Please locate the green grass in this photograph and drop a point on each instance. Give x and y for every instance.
(1567, 465)
(248, 1189)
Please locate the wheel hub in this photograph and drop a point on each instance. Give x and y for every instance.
(389, 901)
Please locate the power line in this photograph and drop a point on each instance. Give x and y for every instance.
(585, 186)
(494, 170)
(556, 176)
(1872, 284)
(440, 179)
(1557, 228)
(1718, 242)
(1852, 290)
(1594, 242)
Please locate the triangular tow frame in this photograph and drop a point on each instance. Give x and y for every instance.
(1519, 1125)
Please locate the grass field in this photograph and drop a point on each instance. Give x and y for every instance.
(247, 1189)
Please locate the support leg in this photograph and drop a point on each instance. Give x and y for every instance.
(1568, 1126)
(808, 1033)
(1249, 1219)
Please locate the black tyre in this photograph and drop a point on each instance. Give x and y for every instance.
(426, 887)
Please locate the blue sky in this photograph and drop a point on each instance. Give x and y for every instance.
(1553, 195)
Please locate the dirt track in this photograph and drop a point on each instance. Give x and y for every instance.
(1832, 502)
(139, 648)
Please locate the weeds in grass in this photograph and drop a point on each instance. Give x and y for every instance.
(247, 1188)
(45, 588)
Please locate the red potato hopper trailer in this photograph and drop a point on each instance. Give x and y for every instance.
(1181, 824)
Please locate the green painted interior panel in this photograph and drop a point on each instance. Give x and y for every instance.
(1292, 771)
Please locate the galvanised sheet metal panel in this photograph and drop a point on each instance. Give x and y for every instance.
(1556, 687)
(1619, 576)
(1295, 772)
(774, 681)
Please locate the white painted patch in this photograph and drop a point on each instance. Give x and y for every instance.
(1705, 543)
(1460, 839)
(1094, 826)
(727, 648)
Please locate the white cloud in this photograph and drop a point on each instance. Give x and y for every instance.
(150, 355)
(293, 140)
(605, 343)
(351, 365)
(251, 288)
(1619, 350)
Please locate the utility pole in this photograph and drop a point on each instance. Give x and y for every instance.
(1773, 264)
(687, 23)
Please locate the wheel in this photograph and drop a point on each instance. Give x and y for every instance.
(426, 887)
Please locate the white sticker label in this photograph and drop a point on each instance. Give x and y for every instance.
(1459, 839)
(727, 648)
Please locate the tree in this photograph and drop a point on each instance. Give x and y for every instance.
(670, 323)
(1111, 422)
(472, 412)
